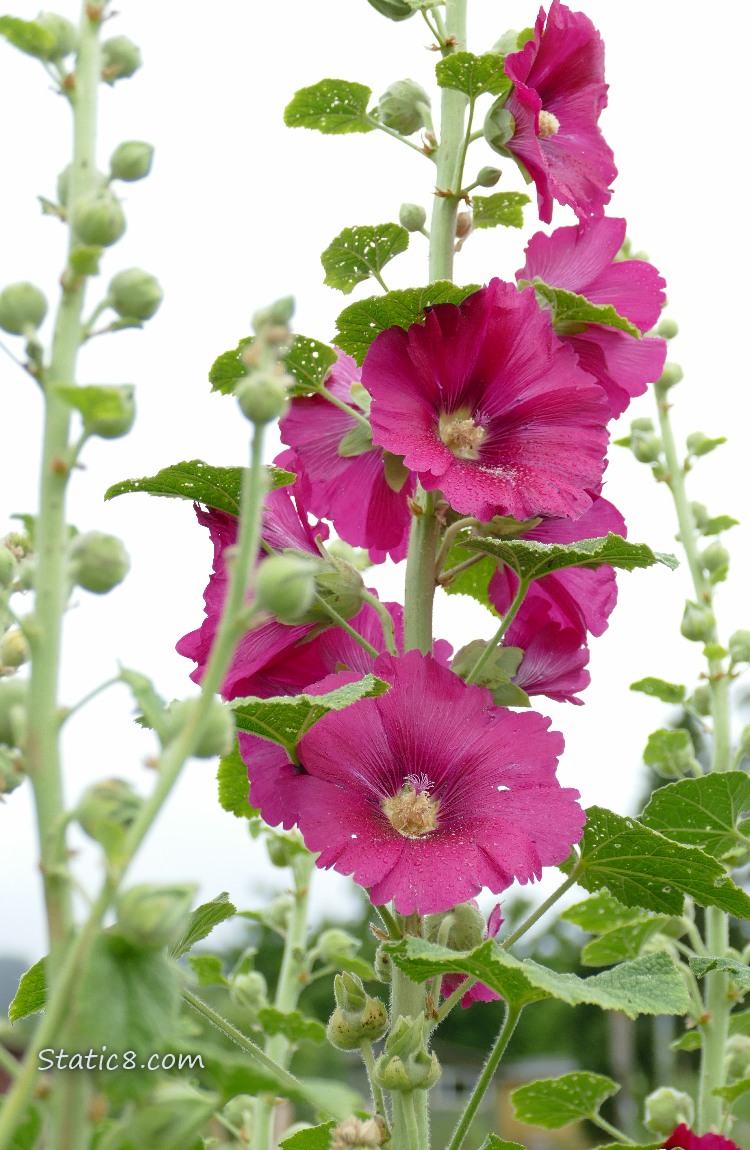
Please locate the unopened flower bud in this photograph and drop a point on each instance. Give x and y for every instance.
(113, 415)
(134, 294)
(645, 447)
(698, 622)
(216, 735)
(701, 699)
(276, 315)
(383, 965)
(666, 1109)
(8, 567)
(239, 1111)
(98, 562)
(63, 32)
(279, 912)
(671, 375)
(463, 225)
(154, 916)
(405, 1063)
(499, 126)
(131, 161)
(359, 1134)
(22, 308)
(262, 396)
(334, 944)
(120, 58)
(393, 9)
(667, 328)
(698, 443)
(250, 990)
(13, 697)
(462, 928)
(642, 424)
(487, 177)
(356, 556)
(340, 585)
(98, 219)
(412, 217)
(285, 585)
(508, 42)
(281, 849)
(106, 812)
(715, 557)
(401, 107)
(11, 771)
(737, 1056)
(358, 1016)
(700, 514)
(14, 650)
(63, 184)
(739, 647)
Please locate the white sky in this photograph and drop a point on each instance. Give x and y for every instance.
(235, 214)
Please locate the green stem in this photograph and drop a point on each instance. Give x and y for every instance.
(448, 576)
(342, 623)
(452, 1000)
(375, 123)
(342, 405)
(449, 536)
(603, 1124)
(420, 576)
(541, 910)
(386, 621)
(8, 1063)
(378, 1100)
(508, 618)
(389, 922)
(512, 1015)
(452, 131)
(411, 1122)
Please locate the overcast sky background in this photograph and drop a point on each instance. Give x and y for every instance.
(235, 214)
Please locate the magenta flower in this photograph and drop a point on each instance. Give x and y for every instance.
(366, 502)
(479, 992)
(429, 793)
(558, 94)
(684, 1139)
(484, 402)
(554, 660)
(582, 260)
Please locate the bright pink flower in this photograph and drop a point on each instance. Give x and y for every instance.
(484, 402)
(582, 260)
(479, 992)
(684, 1139)
(351, 491)
(554, 660)
(429, 793)
(557, 97)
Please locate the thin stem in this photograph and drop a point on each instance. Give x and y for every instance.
(541, 910)
(378, 1100)
(341, 622)
(452, 1000)
(375, 122)
(508, 618)
(448, 576)
(386, 621)
(449, 536)
(389, 922)
(88, 698)
(462, 1126)
(8, 1063)
(603, 1124)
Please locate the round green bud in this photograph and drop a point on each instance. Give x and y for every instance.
(737, 1056)
(131, 161)
(98, 562)
(114, 413)
(8, 567)
(418, 1072)
(217, 731)
(154, 916)
(334, 944)
(671, 375)
(107, 810)
(262, 396)
(278, 913)
(134, 294)
(488, 177)
(499, 126)
(698, 622)
(13, 696)
(14, 650)
(239, 1111)
(393, 9)
(666, 1108)
(412, 217)
(347, 1032)
(643, 424)
(11, 771)
(401, 107)
(120, 58)
(715, 557)
(285, 586)
(98, 219)
(63, 32)
(667, 328)
(646, 448)
(341, 586)
(250, 990)
(280, 849)
(356, 556)
(22, 308)
(739, 647)
(63, 184)
(701, 699)
(700, 514)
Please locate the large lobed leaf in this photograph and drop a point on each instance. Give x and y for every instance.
(556, 1102)
(703, 812)
(532, 560)
(330, 106)
(622, 942)
(361, 322)
(356, 254)
(218, 487)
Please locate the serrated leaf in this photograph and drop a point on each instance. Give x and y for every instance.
(28, 36)
(286, 718)
(660, 689)
(228, 367)
(291, 1024)
(202, 921)
(84, 261)
(733, 1092)
(739, 972)
(473, 75)
(31, 994)
(217, 487)
(316, 1138)
(234, 786)
(641, 867)
(648, 985)
(492, 1142)
(308, 362)
(702, 812)
(622, 942)
(570, 308)
(361, 322)
(503, 209)
(356, 254)
(718, 524)
(531, 560)
(207, 968)
(600, 913)
(556, 1102)
(330, 106)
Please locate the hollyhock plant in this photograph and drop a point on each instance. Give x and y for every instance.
(557, 97)
(428, 793)
(485, 403)
(582, 259)
(554, 658)
(478, 991)
(338, 458)
(684, 1139)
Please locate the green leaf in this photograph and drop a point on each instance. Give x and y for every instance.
(153, 707)
(702, 444)
(738, 972)
(27, 1132)
(503, 209)
(531, 560)
(690, 1040)
(308, 362)
(229, 367)
(31, 994)
(739, 1022)
(556, 1102)
(361, 322)
(28, 36)
(473, 75)
(207, 968)
(568, 308)
(286, 718)
(473, 581)
(622, 942)
(316, 1138)
(356, 254)
(718, 524)
(660, 689)
(648, 985)
(84, 261)
(96, 402)
(643, 868)
(233, 785)
(291, 1024)
(733, 1092)
(217, 487)
(330, 106)
(602, 912)
(202, 921)
(702, 812)
(670, 751)
(492, 1142)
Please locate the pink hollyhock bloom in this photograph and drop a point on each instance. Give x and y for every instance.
(354, 492)
(684, 1139)
(484, 402)
(575, 598)
(479, 992)
(558, 94)
(582, 260)
(429, 793)
(554, 660)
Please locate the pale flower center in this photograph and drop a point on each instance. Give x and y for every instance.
(461, 434)
(549, 125)
(412, 812)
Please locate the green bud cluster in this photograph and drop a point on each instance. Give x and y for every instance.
(151, 917)
(670, 377)
(14, 649)
(667, 329)
(406, 1064)
(107, 810)
(98, 562)
(262, 395)
(666, 1109)
(487, 177)
(285, 585)
(715, 561)
(358, 1018)
(402, 107)
(22, 308)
